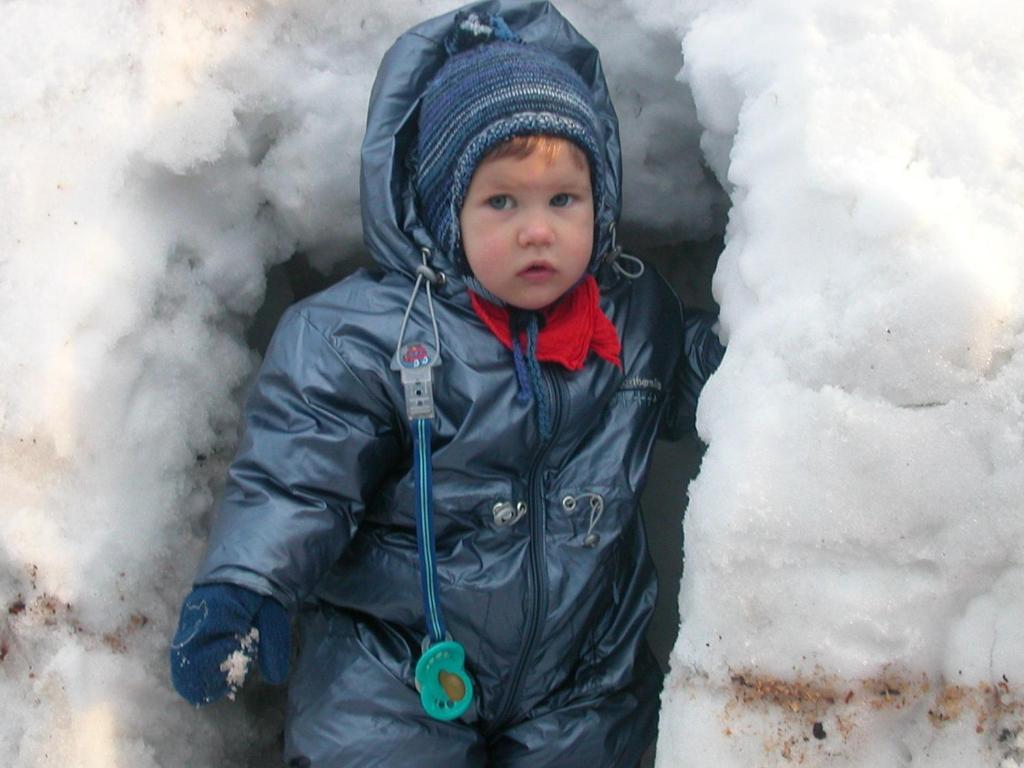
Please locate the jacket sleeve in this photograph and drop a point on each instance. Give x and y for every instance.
(318, 439)
(702, 354)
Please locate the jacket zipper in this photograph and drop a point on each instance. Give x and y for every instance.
(538, 571)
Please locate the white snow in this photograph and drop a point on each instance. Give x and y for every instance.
(856, 527)
(854, 539)
(236, 666)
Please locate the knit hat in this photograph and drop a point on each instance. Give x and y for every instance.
(493, 87)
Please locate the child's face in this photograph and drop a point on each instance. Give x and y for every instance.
(528, 226)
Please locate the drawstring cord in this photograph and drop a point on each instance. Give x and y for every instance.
(528, 371)
(638, 266)
(431, 277)
(615, 255)
(522, 375)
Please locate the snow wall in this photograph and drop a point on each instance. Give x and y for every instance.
(854, 590)
(852, 593)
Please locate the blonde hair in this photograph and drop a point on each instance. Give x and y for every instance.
(550, 147)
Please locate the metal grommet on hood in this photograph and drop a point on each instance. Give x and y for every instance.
(611, 255)
(434, 276)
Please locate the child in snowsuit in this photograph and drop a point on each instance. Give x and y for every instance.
(447, 454)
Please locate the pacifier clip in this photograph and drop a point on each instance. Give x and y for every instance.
(445, 688)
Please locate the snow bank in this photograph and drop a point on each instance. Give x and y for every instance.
(155, 160)
(854, 589)
(853, 593)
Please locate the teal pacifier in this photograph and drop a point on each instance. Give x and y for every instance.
(445, 689)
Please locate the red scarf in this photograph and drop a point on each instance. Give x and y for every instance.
(574, 326)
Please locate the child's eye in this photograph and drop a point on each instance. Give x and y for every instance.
(561, 200)
(500, 202)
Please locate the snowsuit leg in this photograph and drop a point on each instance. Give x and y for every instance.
(348, 707)
(599, 730)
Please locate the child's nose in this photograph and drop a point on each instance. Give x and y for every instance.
(536, 230)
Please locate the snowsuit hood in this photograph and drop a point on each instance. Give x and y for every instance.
(393, 231)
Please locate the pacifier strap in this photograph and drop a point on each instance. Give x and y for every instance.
(425, 529)
(446, 690)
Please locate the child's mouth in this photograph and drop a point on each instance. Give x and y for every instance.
(537, 272)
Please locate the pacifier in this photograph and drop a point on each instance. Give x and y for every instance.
(446, 690)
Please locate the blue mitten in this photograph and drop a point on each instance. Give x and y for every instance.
(221, 630)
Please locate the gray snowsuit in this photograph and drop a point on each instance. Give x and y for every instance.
(542, 562)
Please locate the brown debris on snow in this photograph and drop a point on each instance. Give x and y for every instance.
(800, 696)
(117, 641)
(26, 615)
(814, 716)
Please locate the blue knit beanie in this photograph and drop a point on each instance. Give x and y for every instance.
(492, 88)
